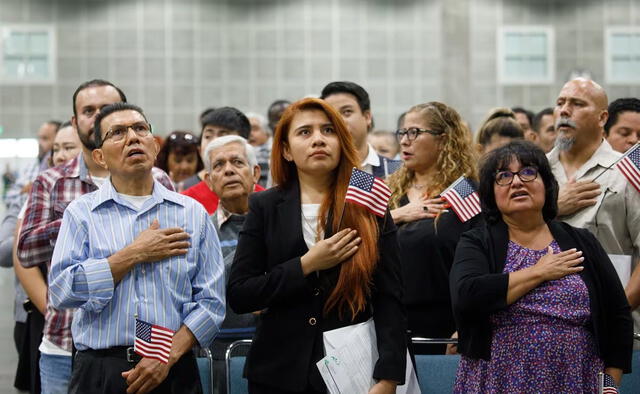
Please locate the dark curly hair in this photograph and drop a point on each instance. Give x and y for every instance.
(617, 107)
(528, 154)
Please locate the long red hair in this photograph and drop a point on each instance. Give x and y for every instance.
(354, 283)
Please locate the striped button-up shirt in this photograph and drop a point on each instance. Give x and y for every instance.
(186, 289)
(52, 191)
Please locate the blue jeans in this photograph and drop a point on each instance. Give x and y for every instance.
(55, 373)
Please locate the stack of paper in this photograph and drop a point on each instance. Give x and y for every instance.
(351, 355)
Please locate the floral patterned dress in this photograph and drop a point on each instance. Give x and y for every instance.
(541, 343)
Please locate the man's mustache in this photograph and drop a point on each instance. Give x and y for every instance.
(565, 122)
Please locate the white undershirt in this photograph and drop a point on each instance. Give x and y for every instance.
(50, 348)
(98, 180)
(136, 201)
(310, 223)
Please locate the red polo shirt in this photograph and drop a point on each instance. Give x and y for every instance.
(205, 196)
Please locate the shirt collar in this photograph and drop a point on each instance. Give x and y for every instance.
(372, 158)
(159, 194)
(222, 215)
(83, 171)
(604, 157)
(71, 169)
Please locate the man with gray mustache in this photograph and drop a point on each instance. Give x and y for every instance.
(609, 207)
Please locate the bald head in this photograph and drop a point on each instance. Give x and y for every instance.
(580, 114)
(587, 88)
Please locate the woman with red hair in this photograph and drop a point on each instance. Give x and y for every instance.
(309, 271)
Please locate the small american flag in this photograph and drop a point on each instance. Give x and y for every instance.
(629, 165)
(606, 384)
(368, 191)
(463, 199)
(153, 341)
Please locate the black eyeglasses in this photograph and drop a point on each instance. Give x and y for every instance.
(526, 174)
(413, 132)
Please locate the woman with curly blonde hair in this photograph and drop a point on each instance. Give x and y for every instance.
(436, 149)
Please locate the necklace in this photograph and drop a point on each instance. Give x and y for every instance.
(418, 187)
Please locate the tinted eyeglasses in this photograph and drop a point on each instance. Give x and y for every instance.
(117, 133)
(413, 132)
(526, 174)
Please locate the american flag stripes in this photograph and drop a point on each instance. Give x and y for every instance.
(629, 165)
(153, 341)
(606, 384)
(463, 198)
(368, 191)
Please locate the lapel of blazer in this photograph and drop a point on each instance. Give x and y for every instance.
(290, 216)
(289, 213)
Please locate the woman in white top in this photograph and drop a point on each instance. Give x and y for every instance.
(308, 270)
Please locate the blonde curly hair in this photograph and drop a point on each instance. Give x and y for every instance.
(456, 155)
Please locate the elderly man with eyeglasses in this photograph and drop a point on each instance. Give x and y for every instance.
(52, 191)
(143, 266)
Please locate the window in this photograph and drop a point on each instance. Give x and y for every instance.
(525, 55)
(27, 54)
(622, 51)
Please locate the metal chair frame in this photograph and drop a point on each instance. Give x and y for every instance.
(208, 356)
(227, 359)
(434, 341)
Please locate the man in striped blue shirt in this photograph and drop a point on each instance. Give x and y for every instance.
(134, 250)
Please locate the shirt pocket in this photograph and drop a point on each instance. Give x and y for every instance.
(176, 273)
(609, 224)
(611, 208)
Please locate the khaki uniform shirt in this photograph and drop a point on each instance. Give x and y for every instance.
(615, 219)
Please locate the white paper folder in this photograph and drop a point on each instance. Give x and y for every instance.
(351, 355)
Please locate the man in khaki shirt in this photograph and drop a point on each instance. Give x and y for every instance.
(610, 206)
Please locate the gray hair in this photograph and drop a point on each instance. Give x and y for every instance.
(226, 140)
(264, 124)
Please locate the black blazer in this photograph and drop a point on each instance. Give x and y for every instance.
(479, 288)
(266, 275)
